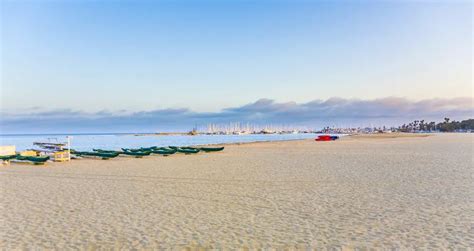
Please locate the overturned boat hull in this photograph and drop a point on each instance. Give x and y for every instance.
(211, 149)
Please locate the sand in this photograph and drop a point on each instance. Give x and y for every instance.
(407, 193)
(390, 135)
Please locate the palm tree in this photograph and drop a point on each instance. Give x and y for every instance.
(415, 124)
(431, 126)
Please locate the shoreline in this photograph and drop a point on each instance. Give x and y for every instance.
(341, 137)
(116, 142)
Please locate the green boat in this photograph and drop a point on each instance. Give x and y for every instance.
(80, 153)
(107, 155)
(211, 149)
(132, 150)
(136, 154)
(37, 160)
(164, 151)
(105, 151)
(148, 148)
(103, 155)
(7, 157)
(173, 147)
(187, 150)
(166, 148)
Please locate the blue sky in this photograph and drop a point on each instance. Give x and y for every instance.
(206, 56)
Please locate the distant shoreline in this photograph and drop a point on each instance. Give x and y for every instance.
(187, 134)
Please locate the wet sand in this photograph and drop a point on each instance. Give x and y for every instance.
(393, 192)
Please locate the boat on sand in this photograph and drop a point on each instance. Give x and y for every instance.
(188, 150)
(7, 157)
(136, 154)
(211, 149)
(326, 138)
(37, 160)
(164, 151)
(101, 154)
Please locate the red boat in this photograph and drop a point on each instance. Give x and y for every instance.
(326, 138)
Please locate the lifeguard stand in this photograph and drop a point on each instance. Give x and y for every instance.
(60, 151)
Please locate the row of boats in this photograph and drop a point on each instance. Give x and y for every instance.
(108, 154)
(146, 151)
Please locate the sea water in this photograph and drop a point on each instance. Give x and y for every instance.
(86, 142)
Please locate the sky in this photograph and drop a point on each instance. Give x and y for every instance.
(95, 61)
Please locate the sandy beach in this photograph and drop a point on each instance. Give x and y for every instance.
(358, 192)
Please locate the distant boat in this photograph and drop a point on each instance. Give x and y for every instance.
(193, 132)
